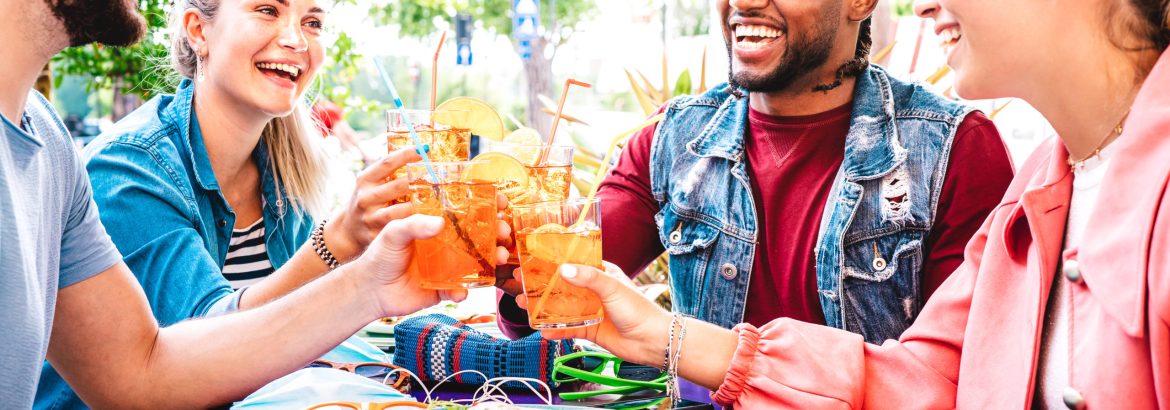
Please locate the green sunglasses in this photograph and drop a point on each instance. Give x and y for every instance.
(607, 370)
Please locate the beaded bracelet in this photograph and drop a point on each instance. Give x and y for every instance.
(318, 238)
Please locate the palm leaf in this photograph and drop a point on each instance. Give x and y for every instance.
(651, 90)
(644, 101)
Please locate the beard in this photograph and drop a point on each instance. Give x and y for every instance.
(801, 57)
(109, 22)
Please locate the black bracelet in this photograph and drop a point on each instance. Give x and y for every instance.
(318, 238)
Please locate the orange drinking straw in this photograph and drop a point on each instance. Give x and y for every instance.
(557, 118)
(435, 71)
(589, 199)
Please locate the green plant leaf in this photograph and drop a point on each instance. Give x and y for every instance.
(682, 86)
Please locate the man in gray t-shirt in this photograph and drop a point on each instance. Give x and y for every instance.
(66, 295)
(48, 223)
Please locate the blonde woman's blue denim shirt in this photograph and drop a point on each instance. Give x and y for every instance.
(161, 203)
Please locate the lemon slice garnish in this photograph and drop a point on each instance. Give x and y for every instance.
(506, 172)
(472, 114)
(523, 136)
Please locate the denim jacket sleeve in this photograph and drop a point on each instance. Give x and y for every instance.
(147, 206)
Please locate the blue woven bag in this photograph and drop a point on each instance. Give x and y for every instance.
(436, 346)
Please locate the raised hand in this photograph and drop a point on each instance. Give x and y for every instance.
(634, 327)
(359, 222)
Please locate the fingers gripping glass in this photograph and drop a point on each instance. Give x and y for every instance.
(607, 370)
(384, 373)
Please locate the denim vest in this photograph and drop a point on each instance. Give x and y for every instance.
(869, 253)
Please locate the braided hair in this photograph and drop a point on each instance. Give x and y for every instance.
(860, 61)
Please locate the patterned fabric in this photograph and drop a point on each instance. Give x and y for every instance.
(437, 346)
(247, 258)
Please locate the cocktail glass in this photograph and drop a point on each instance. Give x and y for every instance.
(550, 234)
(463, 254)
(448, 144)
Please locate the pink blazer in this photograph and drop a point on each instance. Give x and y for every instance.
(976, 343)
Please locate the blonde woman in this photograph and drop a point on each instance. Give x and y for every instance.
(211, 193)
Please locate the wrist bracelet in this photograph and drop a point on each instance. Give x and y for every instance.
(669, 344)
(671, 359)
(318, 238)
(676, 394)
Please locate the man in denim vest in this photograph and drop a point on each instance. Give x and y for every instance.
(813, 185)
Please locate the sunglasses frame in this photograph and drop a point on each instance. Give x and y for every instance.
(617, 385)
(401, 381)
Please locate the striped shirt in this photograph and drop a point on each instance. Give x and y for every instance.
(247, 258)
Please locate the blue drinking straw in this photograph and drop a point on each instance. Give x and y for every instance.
(418, 145)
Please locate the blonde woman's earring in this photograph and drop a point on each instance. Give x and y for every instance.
(199, 68)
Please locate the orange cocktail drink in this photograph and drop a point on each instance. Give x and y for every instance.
(463, 254)
(447, 143)
(547, 181)
(550, 234)
(524, 181)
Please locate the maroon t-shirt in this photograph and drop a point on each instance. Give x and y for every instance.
(791, 163)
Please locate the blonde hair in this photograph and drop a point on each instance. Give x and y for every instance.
(297, 162)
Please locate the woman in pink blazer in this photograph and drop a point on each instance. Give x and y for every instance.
(1064, 298)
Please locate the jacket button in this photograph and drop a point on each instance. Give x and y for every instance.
(879, 263)
(1073, 399)
(1072, 271)
(675, 236)
(728, 271)
(222, 223)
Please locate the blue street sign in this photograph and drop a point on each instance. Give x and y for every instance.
(525, 25)
(525, 49)
(463, 55)
(463, 27)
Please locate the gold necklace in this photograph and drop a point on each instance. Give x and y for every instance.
(1117, 129)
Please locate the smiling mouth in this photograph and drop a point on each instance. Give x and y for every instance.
(286, 71)
(950, 36)
(753, 37)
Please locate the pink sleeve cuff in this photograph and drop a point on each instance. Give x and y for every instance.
(741, 365)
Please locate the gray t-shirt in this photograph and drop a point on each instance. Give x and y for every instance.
(50, 238)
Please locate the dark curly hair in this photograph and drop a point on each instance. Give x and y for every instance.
(860, 61)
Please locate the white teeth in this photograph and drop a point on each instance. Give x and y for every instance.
(290, 69)
(756, 31)
(749, 45)
(950, 36)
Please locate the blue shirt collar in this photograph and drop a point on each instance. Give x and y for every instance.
(181, 112)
